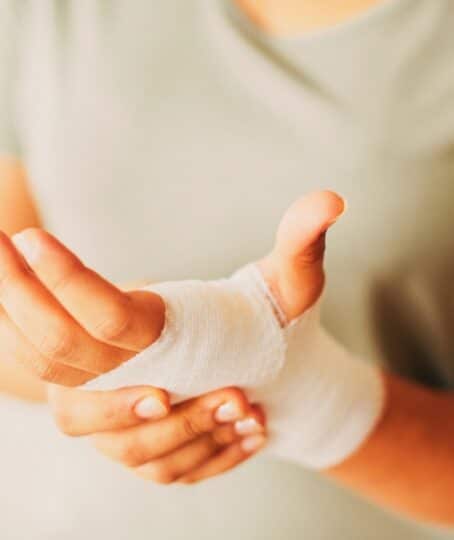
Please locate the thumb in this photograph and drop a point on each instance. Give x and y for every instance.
(294, 269)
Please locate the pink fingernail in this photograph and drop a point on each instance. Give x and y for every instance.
(344, 210)
(253, 443)
(228, 412)
(28, 248)
(248, 426)
(150, 408)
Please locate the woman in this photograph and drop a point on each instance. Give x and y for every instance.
(139, 111)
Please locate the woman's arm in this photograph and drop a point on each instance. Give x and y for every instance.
(407, 464)
(17, 211)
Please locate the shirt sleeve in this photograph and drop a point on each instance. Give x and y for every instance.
(9, 144)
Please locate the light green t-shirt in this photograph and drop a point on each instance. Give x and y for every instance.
(164, 139)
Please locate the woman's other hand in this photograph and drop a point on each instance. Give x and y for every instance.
(62, 319)
(195, 440)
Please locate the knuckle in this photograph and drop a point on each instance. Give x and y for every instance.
(48, 371)
(313, 253)
(190, 428)
(112, 413)
(58, 344)
(115, 325)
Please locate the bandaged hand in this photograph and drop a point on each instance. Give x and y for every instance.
(69, 325)
(257, 330)
(260, 330)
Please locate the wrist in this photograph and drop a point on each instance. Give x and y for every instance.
(332, 400)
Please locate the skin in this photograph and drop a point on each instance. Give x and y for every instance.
(17, 211)
(25, 367)
(415, 419)
(194, 442)
(282, 17)
(407, 463)
(294, 17)
(67, 324)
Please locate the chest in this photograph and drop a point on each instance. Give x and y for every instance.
(140, 131)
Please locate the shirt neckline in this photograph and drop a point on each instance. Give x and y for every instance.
(355, 23)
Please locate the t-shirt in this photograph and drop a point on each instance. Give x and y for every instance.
(164, 140)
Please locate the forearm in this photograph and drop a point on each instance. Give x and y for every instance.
(407, 464)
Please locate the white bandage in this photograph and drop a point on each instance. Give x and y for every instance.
(321, 402)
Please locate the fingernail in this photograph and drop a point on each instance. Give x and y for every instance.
(28, 248)
(248, 426)
(150, 408)
(343, 211)
(253, 443)
(228, 412)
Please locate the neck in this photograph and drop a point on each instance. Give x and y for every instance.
(290, 17)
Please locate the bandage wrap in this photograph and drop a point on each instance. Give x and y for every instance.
(321, 402)
(217, 333)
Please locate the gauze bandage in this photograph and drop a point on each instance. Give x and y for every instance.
(321, 402)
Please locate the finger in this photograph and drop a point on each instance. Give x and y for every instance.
(169, 468)
(294, 269)
(193, 455)
(15, 347)
(227, 459)
(188, 421)
(130, 320)
(78, 412)
(45, 323)
(252, 424)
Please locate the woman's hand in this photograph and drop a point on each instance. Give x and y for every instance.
(70, 325)
(63, 320)
(197, 439)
